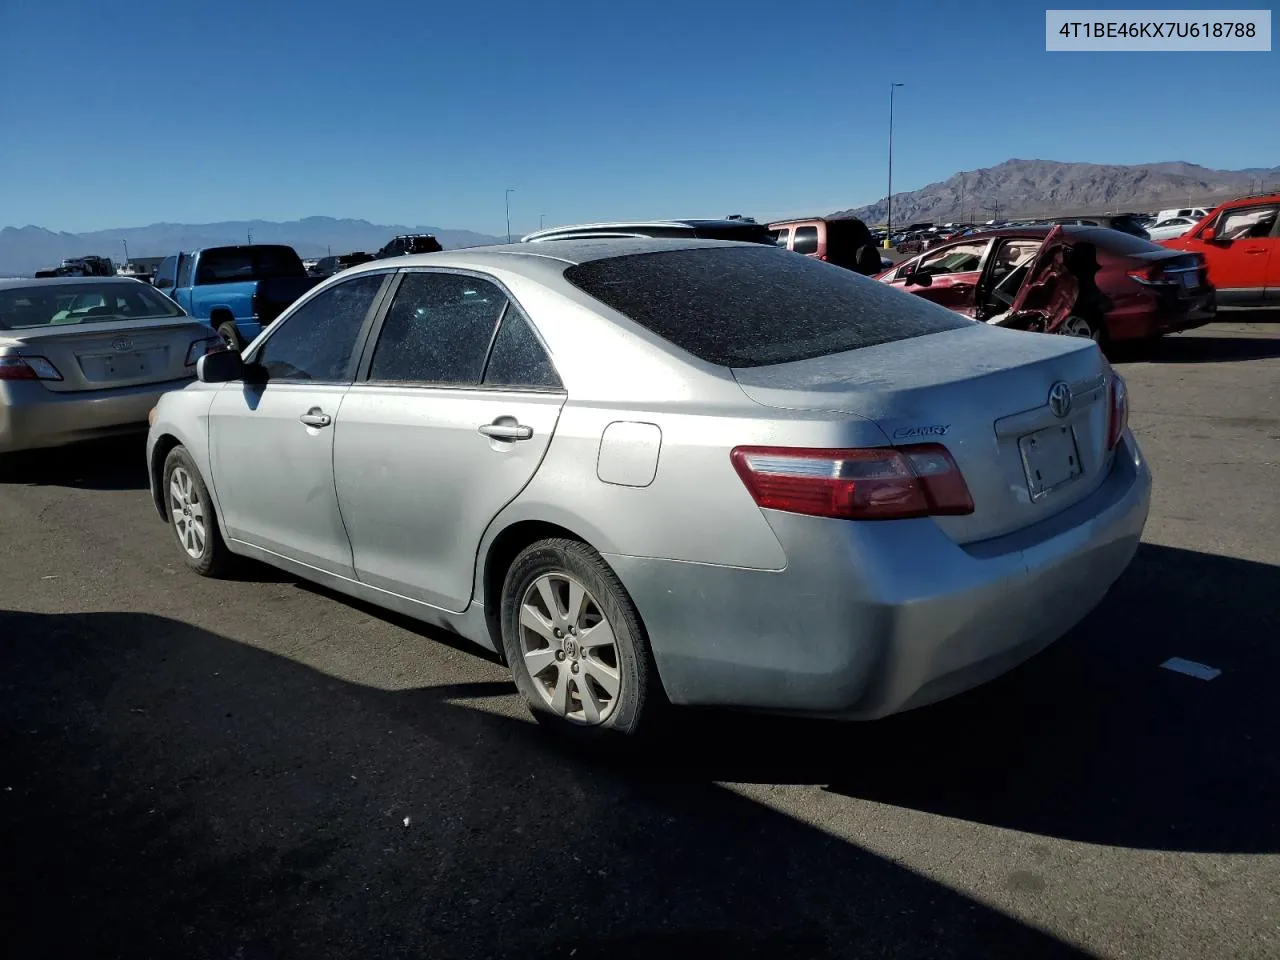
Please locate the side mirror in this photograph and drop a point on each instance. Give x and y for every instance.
(224, 366)
(919, 280)
(1208, 234)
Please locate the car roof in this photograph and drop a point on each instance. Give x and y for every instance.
(61, 281)
(568, 252)
(605, 226)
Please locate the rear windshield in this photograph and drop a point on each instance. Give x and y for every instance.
(754, 306)
(63, 303)
(1117, 241)
(237, 264)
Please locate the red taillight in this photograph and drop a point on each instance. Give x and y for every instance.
(28, 368)
(880, 483)
(200, 348)
(1119, 410)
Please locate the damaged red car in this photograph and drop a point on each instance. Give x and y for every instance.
(1081, 281)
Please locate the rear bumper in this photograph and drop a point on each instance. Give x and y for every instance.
(32, 417)
(871, 619)
(1163, 317)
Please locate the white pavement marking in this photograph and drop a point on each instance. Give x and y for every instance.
(1190, 668)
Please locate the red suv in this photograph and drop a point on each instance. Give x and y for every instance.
(1143, 290)
(1240, 243)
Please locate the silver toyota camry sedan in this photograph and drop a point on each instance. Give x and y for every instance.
(83, 357)
(667, 471)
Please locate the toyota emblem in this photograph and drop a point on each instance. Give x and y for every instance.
(122, 345)
(1060, 399)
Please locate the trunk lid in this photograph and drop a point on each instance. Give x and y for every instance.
(121, 353)
(984, 393)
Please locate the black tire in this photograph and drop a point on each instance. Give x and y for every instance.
(214, 560)
(230, 335)
(639, 700)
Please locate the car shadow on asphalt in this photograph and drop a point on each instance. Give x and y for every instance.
(1091, 741)
(1188, 348)
(168, 792)
(117, 463)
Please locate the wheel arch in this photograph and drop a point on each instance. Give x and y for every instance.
(159, 453)
(501, 552)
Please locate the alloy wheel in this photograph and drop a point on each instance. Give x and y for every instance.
(187, 511)
(570, 649)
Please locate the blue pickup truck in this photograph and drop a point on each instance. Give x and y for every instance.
(236, 290)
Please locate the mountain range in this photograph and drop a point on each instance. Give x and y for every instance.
(1032, 188)
(23, 250)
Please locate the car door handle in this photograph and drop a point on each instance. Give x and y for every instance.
(1257, 250)
(314, 418)
(506, 430)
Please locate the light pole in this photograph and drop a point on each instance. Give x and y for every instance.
(510, 191)
(888, 220)
(542, 219)
(126, 250)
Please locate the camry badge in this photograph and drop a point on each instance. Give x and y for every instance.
(122, 345)
(1060, 399)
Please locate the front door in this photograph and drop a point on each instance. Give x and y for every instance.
(1242, 258)
(954, 271)
(446, 429)
(271, 443)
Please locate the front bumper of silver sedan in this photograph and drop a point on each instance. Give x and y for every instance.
(870, 619)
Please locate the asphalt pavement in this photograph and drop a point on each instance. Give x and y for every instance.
(257, 769)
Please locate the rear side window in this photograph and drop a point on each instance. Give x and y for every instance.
(806, 240)
(437, 330)
(518, 358)
(754, 306)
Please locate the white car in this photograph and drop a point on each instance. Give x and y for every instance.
(1168, 229)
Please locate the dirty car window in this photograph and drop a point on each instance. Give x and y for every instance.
(753, 306)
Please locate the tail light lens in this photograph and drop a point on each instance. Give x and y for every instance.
(1119, 414)
(1152, 273)
(880, 483)
(28, 368)
(199, 348)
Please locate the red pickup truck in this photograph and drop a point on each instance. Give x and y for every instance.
(1240, 243)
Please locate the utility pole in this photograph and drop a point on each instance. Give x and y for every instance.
(250, 234)
(126, 249)
(888, 220)
(542, 219)
(510, 191)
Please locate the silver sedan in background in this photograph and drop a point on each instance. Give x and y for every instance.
(83, 357)
(667, 471)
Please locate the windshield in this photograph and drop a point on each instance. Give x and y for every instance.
(753, 306)
(238, 264)
(39, 306)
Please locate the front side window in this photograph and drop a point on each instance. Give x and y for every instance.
(1247, 223)
(165, 273)
(806, 240)
(316, 341)
(437, 330)
(961, 258)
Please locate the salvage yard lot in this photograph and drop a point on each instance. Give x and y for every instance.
(255, 769)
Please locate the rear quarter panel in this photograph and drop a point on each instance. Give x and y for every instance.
(236, 298)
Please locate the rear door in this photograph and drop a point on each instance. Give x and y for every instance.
(453, 413)
(271, 443)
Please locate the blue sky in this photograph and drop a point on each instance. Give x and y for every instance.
(123, 114)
